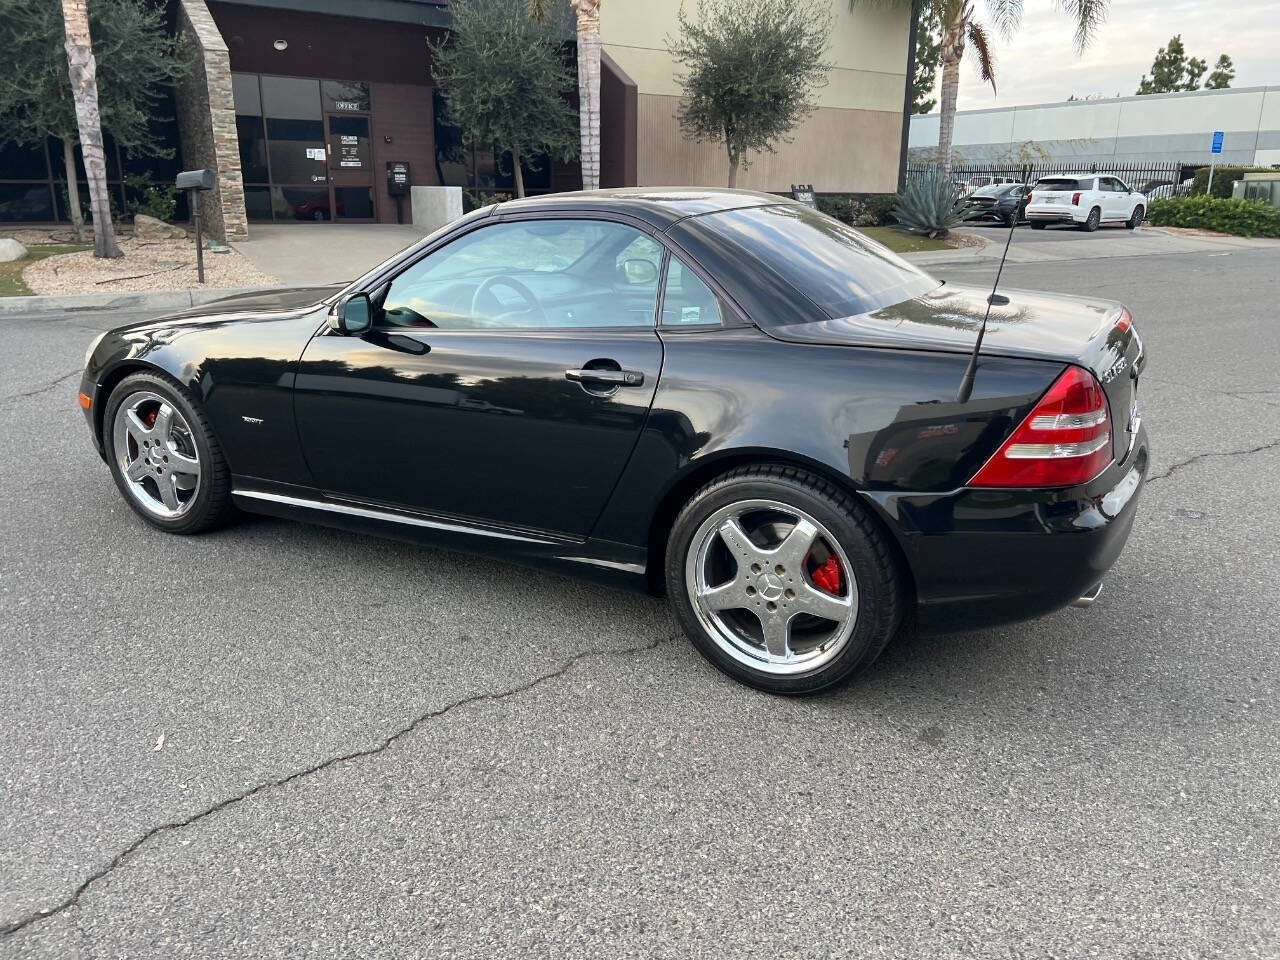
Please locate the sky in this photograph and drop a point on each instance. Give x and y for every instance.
(1040, 65)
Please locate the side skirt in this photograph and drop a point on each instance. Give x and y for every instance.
(604, 561)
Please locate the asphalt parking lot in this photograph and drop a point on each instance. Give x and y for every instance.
(1053, 233)
(377, 750)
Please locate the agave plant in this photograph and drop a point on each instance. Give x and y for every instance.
(929, 203)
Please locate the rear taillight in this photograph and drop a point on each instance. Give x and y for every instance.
(1075, 199)
(1064, 441)
(1027, 199)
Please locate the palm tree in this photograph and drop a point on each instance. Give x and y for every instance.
(588, 16)
(84, 91)
(960, 30)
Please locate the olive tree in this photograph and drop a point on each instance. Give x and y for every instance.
(505, 82)
(750, 69)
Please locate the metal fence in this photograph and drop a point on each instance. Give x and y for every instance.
(1143, 177)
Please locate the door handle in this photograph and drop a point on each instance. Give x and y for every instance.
(616, 378)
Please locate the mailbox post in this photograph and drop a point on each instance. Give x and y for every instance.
(196, 182)
(398, 184)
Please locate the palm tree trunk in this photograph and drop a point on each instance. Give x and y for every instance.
(588, 12)
(84, 90)
(515, 166)
(947, 122)
(953, 41)
(73, 188)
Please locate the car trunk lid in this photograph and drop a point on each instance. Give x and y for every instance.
(1098, 335)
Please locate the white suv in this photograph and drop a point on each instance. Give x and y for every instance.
(1086, 200)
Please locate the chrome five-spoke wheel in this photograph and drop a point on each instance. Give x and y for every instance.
(772, 587)
(157, 455)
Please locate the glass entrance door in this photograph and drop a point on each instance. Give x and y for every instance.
(350, 155)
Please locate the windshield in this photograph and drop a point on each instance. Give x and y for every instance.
(833, 265)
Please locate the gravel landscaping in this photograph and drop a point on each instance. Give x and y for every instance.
(145, 266)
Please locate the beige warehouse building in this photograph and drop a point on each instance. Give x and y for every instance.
(852, 142)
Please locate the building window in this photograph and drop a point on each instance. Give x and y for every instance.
(33, 181)
(306, 150)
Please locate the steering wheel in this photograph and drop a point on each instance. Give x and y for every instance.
(532, 306)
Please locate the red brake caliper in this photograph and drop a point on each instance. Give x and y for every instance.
(150, 418)
(827, 576)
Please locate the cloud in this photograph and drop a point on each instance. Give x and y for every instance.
(1040, 65)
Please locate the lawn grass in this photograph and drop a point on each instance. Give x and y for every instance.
(900, 241)
(11, 284)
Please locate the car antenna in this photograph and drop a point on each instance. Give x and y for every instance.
(966, 382)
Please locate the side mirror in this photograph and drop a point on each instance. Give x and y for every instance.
(353, 316)
(639, 271)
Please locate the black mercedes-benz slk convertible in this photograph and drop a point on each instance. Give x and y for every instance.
(720, 395)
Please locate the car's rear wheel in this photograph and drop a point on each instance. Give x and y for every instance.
(782, 580)
(1038, 224)
(1092, 222)
(164, 456)
(1136, 217)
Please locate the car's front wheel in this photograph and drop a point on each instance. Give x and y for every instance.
(1136, 217)
(782, 580)
(164, 456)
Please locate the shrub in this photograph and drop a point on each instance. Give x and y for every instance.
(159, 200)
(858, 209)
(1222, 178)
(475, 199)
(930, 204)
(1244, 218)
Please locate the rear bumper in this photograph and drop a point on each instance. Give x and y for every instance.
(986, 557)
(1055, 213)
(987, 213)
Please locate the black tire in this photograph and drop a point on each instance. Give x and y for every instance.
(1135, 218)
(211, 504)
(1093, 222)
(1038, 224)
(881, 584)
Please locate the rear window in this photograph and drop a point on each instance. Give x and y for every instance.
(1060, 183)
(839, 269)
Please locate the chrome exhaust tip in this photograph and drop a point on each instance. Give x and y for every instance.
(1089, 596)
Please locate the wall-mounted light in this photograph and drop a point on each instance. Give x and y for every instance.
(281, 44)
(386, 138)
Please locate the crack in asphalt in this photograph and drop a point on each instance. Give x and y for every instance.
(38, 390)
(1210, 454)
(119, 859)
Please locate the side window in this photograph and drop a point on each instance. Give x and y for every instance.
(687, 301)
(1119, 185)
(530, 274)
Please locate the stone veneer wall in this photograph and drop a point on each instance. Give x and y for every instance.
(207, 122)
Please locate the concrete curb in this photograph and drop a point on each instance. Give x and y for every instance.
(159, 300)
(946, 256)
